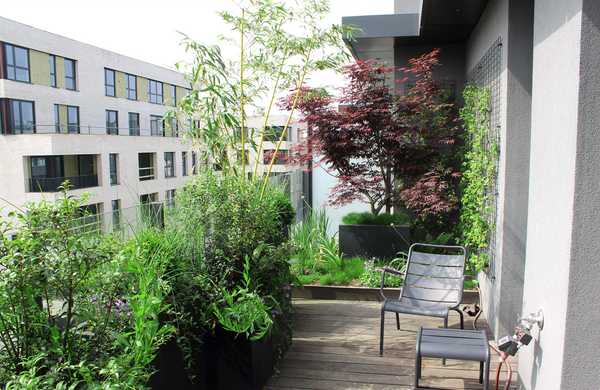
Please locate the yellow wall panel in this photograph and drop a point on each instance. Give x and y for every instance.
(62, 118)
(60, 72)
(120, 84)
(71, 166)
(142, 89)
(39, 67)
(167, 99)
(181, 93)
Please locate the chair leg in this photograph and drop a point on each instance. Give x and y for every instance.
(397, 321)
(445, 326)
(462, 318)
(381, 332)
(418, 366)
(486, 379)
(480, 372)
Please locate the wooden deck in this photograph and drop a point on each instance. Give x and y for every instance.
(336, 346)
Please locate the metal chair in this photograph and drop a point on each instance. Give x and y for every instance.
(433, 284)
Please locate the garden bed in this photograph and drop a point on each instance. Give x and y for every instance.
(352, 293)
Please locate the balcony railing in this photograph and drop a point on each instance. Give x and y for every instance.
(51, 184)
(95, 130)
(146, 173)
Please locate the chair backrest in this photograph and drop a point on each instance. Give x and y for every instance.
(435, 275)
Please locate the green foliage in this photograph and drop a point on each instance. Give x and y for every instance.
(74, 312)
(479, 175)
(367, 218)
(372, 274)
(243, 311)
(306, 238)
(279, 45)
(347, 274)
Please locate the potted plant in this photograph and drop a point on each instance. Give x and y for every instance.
(380, 236)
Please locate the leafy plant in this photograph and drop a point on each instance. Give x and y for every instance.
(280, 44)
(478, 178)
(243, 311)
(380, 144)
(306, 238)
(367, 218)
(371, 276)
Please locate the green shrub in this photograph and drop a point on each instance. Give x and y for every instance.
(367, 218)
(371, 276)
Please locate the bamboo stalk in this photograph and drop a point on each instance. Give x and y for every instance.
(242, 114)
(287, 124)
(268, 114)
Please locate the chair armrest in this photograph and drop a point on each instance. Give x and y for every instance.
(383, 271)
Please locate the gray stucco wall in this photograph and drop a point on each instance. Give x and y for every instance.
(550, 239)
(492, 25)
(581, 367)
(452, 60)
(511, 266)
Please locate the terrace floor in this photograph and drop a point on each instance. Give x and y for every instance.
(336, 346)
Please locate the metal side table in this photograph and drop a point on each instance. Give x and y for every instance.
(454, 344)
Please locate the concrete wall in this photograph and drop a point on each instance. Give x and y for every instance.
(492, 25)
(554, 279)
(452, 60)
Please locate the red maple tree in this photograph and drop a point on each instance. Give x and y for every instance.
(382, 147)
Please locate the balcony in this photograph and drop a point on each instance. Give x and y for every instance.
(51, 184)
(48, 173)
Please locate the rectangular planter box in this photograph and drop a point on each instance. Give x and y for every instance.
(360, 293)
(379, 241)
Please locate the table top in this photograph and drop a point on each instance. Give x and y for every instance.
(453, 344)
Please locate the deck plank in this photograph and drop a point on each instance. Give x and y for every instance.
(336, 346)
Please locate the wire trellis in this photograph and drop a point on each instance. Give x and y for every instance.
(487, 74)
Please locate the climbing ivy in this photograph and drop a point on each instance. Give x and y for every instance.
(479, 175)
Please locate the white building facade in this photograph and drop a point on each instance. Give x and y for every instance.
(72, 111)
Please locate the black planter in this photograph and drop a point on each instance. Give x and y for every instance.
(243, 364)
(170, 369)
(379, 241)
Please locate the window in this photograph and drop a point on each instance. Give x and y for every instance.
(68, 121)
(112, 122)
(146, 166)
(174, 130)
(184, 167)
(22, 117)
(173, 94)
(116, 214)
(73, 119)
(169, 164)
(113, 160)
(57, 118)
(70, 82)
(134, 123)
(194, 164)
(156, 125)
(273, 133)
(170, 197)
(17, 63)
(155, 92)
(52, 63)
(131, 87)
(109, 82)
(280, 158)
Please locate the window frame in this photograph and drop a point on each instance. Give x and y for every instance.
(114, 82)
(184, 167)
(11, 114)
(169, 165)
(14, 65)
(113, 169)
(70, 125)
(154, 84)
(110, 130)
(160, 131)
(74, 70)
(128, 89)
(173, 94)
(52, 64)
(137, 116)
